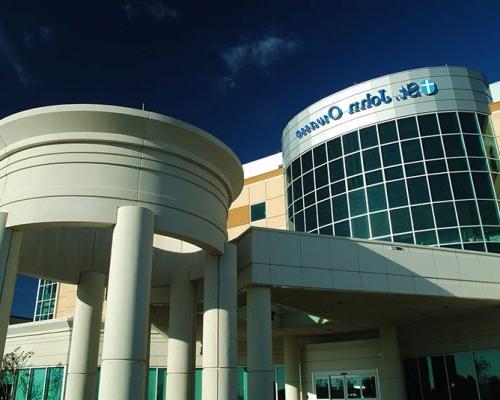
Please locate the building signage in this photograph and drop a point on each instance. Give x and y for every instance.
(411, 90)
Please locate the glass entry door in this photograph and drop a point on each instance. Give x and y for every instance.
(346, 386)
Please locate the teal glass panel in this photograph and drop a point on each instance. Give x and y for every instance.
(453, 146)
(485, 125)
(478, 164)
(311, 219)
(380, 224)
(448, 236)
(440, 187)
(350, 142)
(152, 384)
(22, 384)
(326, 230)
(479, 246)
(400, 220)
(97, 381)
(342, 229)
(297, 188)
(338, 188)
(371, 159)
(432, 147)
(415, 169)
(422, 217)
(279, 373)
(334, 148)
(360, 227)
(405, 238)
(396, 193)
(494, 165)
(407, 128)
(288, 175)
(355, 182)
(418, 190)
(387, 132)
(458, 164)
(296, 168)
(339, 206)
(307, 183)
(468, 122)
(53, 388)
(161, 384)
(472, 234)
(490, 146)
(319, 154)
(299, 221)
(37, 383)
(374, 177)
(336, 170)
(444, 214)
(435, 166)
(321, 176)
(411, 150)
(487, 365)
(353, 164)
(324, 213)
(198, 382)
(467, 212)
(368, 136)
(427, 238)
(393, 173)
(357, 202)
(307, 162)
(391, 154)
(258, 211)
(461, 375)
(242, 384)
(449, 122)
(488, 212)
(376, 198)
(428, 125)
(462, 188)
(323, 193)
(482, 185)
(473, 145)
(492, 233)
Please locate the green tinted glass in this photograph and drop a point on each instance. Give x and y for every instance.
(407, 128)
(440, 187)
(342, 229)
(391, 154)
(449, 122)
(472, 234)
(422, 217)
(360, 227)
(448, 236)
(357, 202)
(488, 211)
(400, 220)
(350, 142)
(387, 132)
(428, 125)
(468, 122)
(396, 193)
(473, 145)
(444, 214)
(152, 384)
(353, 164)
(418, 190)
(368, 136)
(462, 188)
(339, 206)
(324, 213)
(411, 150)
(467, 212)
(258, 211)
(427, 238)
(53, 386)
(371, 159)
(376, 198)
(22, 383)
(380, 224)
(334, 148)
(37, 383)
(319, 154)
(453, 145)
(432, 147)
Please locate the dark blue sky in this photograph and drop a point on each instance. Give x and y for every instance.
(238, 69)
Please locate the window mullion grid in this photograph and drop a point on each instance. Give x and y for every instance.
(384, 182)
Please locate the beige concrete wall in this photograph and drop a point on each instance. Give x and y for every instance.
(66, 299)
(495, 118)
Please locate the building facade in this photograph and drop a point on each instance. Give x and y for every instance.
(347, 314)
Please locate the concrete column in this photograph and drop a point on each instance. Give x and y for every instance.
(259, 344)
(85, 337)
(391, 371)
(291, 352)
(125, 347)
(180, 371)
(219, 326)
(10, 246)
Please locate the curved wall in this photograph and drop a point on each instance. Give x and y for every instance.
(410, 157)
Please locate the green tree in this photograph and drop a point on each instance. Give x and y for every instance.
(11, 363)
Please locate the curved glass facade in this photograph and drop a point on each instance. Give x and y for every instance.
(429, 179)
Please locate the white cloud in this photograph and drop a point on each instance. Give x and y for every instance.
(260, 53)
(9, 54)
(160, 10)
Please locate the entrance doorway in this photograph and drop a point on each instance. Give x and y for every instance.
(349, 385)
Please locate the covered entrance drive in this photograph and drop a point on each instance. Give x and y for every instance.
(346, 385)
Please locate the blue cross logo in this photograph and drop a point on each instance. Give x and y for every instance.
(428, 87)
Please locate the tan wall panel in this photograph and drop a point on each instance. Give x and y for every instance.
(238, 216)
(275, 187)
(66, 298)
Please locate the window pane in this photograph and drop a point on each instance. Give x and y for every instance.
(422, 217)
(22, 382)
(37, 383)
(448, 236)
(428, 125)
(307, 162)
(415, 169)
(350, 142)
(448, 122)
(338, 188)
(473, 145)
(342, 229)
(427, 238)
(374, 177)
(488, 373)
(433, 378)
(467, 212)
(339, 206)
(371, 159)
(324, 213)
(393, 173)
(418, 190)
(311, 219)
(482, 185)
(299, 222)
(485, 125)
(322, 388)
(54, 383)
(152, 384)
(400, 220)
(396, 193)
(490, 146)
(458, 164)
(472, 234)
(391, 155)
(432, 147)
(453, 145)
(353, 164)
(334, 148)
(297, 188)
(412, 382)
(380, 224)
(360, 227)
(478, 164)
(462, 188)
(336, 170)
(387, 132)
(405, 238)
(368, 389)
(326, 230)
(435, 166)
(461, 376)
(319, 155)
(357, 202)
(488, 211)
(288, 175)
(376, 198)
(407, 128)
(258, 211)
(492, 234)
(321, 175)
(440, 187)
(468, 122)
(309, 199)
(355, 182)
(296, 169)
(336, 388)
(323, 193)
(308, 182)
(444, 214)
(368, 136)
(411, 150)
